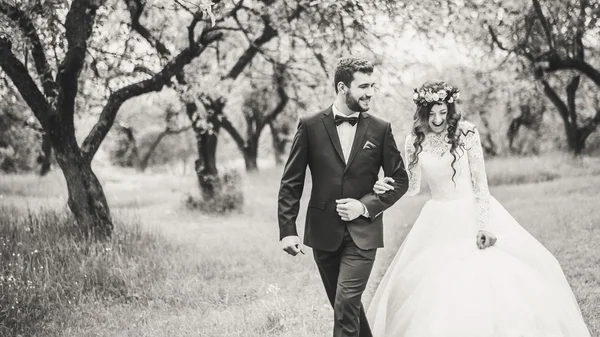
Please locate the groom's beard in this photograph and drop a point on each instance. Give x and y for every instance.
(354, 104)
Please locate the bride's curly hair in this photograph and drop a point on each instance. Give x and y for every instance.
(421, 120)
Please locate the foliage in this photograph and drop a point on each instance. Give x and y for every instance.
(229, 197)
(20, 135)
(557, 43)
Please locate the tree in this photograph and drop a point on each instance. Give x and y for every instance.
(559, 40)
(259, 110)
(125, 153)
(531, 108)
(282, 131)
(52, 98)
(208, 121)
(129, 149)
(167, 131)
(290, 39)
(276, 31)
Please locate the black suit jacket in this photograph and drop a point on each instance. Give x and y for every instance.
(317, 145)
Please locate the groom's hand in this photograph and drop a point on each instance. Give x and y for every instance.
(485, 239)
(349, 209)
(292, 245)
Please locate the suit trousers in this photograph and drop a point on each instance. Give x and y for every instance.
(345, 273)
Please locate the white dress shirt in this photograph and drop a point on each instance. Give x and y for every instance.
(346, 133)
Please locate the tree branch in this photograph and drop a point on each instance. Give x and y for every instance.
(579, 48)
(283, 101)
(268, 33)
(316, 54)
(563, 110)
(237, 137)
(557, 63)
(136, 8)
(155, 83)
(192, 27)
(78, 28)
(166, 132)
(544, 22)
(24, 83)
(496, 41)
(37, 51)
(571, 95)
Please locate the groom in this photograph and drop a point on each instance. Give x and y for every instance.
(344, 147)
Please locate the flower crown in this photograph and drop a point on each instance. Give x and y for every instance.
(438, 92)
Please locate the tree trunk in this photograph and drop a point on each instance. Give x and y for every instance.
(578, 147)
(251, 154)
(279, 144)
(45, 157)
(206, 165)
(146, 159)
(576, 138)
(86, 196)
(489, 146)
(131, 157)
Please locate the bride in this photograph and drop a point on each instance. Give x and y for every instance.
(467, 268)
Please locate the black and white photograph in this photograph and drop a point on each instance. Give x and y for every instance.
(287, 168)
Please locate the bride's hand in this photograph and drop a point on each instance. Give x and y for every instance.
(383, 185)
(485, 239)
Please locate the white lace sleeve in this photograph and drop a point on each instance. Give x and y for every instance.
(414, 173)
(478, 176)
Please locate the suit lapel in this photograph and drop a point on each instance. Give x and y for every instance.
(332, 132)
(361, 131)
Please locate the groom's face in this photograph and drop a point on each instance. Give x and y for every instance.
(360, 92)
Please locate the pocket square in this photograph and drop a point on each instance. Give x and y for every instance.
(369, 145)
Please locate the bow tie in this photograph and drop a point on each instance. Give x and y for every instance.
(341, 119)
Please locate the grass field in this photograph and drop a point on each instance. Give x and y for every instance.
(170, 271)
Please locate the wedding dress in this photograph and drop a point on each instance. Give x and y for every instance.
(441, 285)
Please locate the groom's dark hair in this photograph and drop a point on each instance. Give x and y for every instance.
(346, 67)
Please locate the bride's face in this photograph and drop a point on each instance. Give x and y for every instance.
(437, 118)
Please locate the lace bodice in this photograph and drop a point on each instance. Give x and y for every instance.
(434, 165)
